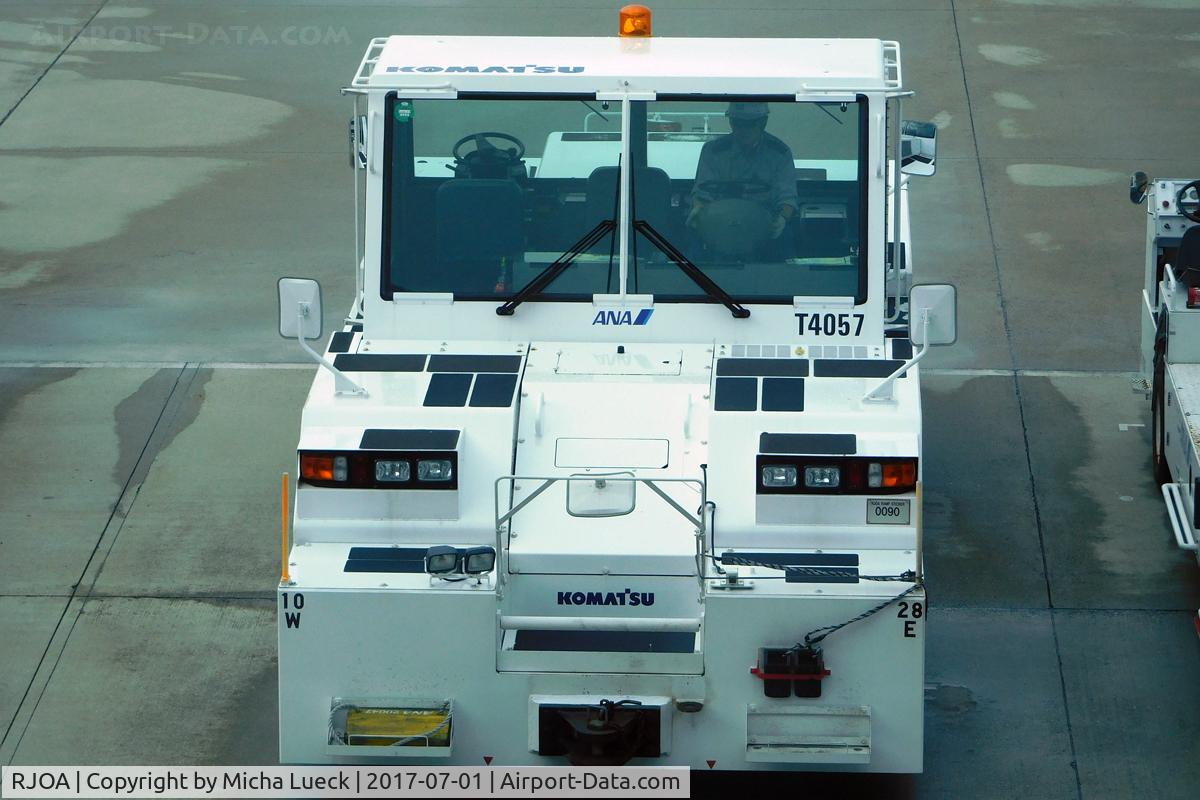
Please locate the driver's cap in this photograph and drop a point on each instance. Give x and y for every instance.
(747, 111)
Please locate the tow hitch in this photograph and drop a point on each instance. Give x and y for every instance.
(782, 670)
(606, 734)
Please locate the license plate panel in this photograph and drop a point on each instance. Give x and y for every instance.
(889, 512)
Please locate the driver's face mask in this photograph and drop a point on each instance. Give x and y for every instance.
(747, 131)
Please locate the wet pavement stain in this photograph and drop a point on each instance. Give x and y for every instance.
(1100, 550)
(981, 543)
(253, 720)
(949, 698)
(18, 383)
(137, 414)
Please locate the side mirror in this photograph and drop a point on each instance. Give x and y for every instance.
(932, 320)
(299, 308)
(918, 148)
(933, 314)
(1139, 184)
(300, 319)
(358, 142)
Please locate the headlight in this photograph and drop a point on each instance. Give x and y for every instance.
(441, 559)
(392, 471)
(434, 470)
(822, 477)
(478, 560)
(779, 476)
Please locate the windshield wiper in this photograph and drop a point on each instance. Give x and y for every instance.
(551, 273)
(698, 277)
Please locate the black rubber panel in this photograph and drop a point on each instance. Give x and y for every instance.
(445, 363)
(418, 439)
(856, 367)
(340, 341)
(606, 641)
(798, 559)
(356, 327)
(373, 362)
(775, 367)
(448, 390)
(902, 349)
(384, 565)
(385, 559)
(808, 444)
(843, 575)
(493, 391)
(783, 394)
(736, 394)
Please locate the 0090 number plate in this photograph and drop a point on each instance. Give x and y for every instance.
(888, 512)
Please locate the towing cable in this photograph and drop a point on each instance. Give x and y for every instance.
(817, 635)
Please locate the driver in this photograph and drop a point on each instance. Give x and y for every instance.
(748, 155)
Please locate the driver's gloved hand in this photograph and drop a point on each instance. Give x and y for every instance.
(693, 217)
(777, 225)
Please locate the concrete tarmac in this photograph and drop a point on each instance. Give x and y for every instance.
(163, 162)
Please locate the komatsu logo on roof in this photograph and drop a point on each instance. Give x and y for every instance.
(622, 317)
(625, 598)
(517, 70)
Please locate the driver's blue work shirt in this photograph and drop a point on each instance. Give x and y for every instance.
(769, 163)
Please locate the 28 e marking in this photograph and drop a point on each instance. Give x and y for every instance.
(910, 613)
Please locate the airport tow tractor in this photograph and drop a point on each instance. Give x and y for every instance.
(1171, 345)
(617, 458)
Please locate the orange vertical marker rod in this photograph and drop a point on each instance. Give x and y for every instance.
(920, 514)
(284, 577)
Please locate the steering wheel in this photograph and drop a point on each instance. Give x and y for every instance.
(1189, 207)
(733, 189)
(486, 153)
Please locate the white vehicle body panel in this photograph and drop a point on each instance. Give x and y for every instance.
(595, 481)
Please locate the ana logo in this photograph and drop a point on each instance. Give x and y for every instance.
(622, 317)
(517, 70)
(625, 598)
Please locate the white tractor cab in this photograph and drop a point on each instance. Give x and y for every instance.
(1171, 344)
(617, 457)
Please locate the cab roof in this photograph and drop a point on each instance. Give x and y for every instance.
(550, 64)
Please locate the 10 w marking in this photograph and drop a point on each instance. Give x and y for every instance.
(292, 618)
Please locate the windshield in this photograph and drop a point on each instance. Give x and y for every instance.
(484, 194)
(764, 197)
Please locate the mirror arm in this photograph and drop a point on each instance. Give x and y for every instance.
(342, 384)
(885, 385)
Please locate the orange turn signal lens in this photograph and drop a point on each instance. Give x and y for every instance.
(635, 21)
(899, 474)
(316, 467)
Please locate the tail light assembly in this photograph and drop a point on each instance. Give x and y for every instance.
(799, 474)
(366, 469)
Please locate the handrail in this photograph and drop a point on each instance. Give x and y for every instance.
(1175, 513)
(893, 77)
(699, 520)
(550, 480)
(362, 76)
